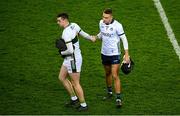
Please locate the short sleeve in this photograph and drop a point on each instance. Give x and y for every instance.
(119, 30)
(77, 28)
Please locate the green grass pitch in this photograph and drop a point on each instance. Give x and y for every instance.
(29, 61)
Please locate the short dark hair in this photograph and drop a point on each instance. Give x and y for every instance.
(108, 11)
(63, 15)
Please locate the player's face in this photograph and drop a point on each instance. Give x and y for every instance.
(60, 22)
(107, 18)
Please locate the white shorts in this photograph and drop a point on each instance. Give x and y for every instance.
(73, 63)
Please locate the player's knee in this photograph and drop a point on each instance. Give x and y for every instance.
(115, 77)
(75, 84)
(61, 78)
(108, 73)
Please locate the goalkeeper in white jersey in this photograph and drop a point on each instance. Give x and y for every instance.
(111, 33)
(72, 61)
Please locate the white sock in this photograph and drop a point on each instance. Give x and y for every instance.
(83, 104)
(118, 100)
(74, 98)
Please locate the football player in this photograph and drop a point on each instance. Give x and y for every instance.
(72, 60)
(111, 34)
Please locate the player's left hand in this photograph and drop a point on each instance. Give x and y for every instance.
(63, 56)
(127, 58)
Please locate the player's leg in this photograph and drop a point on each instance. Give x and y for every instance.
(108, 76)
(117, 83)
(67, 84)
(115, 75)
(77, 87)
(75, 79)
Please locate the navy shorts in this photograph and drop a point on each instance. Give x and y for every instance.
(108, 60)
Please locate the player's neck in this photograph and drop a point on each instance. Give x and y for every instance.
(66, 25)
(110, 22)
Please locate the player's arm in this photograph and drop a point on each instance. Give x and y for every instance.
(87, 36)
(68, 41)
(84, 34)
(125, 45)
(99, 36)
(69, 50)
(123, 37)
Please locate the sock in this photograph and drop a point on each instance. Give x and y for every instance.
(83, 104)
(74, 98)
(109, 89)
(118, 95)
(118, 100)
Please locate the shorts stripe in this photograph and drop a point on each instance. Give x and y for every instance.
(73, 64)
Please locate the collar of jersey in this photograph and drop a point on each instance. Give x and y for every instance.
(67, 25)
(111, 22)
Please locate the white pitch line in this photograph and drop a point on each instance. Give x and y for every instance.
(167, 26)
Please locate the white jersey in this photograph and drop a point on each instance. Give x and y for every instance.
(70, 35)
(73, 52)
(110, 35)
